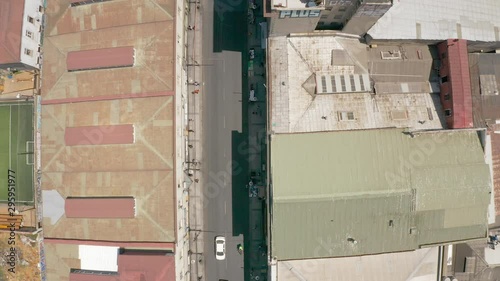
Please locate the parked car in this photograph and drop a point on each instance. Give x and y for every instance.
(220, 248)
(252, 96)
(251, 53)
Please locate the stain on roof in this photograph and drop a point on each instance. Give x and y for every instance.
(485, 85)
(141, 97)
(364, 192)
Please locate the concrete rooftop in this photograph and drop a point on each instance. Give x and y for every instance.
(404, 85)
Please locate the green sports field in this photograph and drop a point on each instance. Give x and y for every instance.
(16, 149)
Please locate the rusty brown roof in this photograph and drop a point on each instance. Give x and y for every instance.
(11, 24)
(81, 156)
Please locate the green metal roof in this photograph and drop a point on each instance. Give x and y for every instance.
(386, 189)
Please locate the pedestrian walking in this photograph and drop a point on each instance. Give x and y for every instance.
(190, 146)
(195, 92)
(190, 27)
(191, 131)
(323, 117)
(196, 84)
(196, 180)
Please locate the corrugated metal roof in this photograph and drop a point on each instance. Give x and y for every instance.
(382, 188)
(456, 66)
(485, 78)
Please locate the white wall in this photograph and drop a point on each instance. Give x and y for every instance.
(31, 9)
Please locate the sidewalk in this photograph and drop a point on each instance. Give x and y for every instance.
(194, 133)
(256, 260)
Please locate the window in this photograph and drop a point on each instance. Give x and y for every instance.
(31, 20)
(92, 272)
(444, 79)
(447, 112)
(324, 17)
(447, 96)
(346, 116)
(342, 82)
(342, 8)
(323, 84)
(353, 83)
(29, 34)
(28, 52)
(337, 17)
(75, 3)
(443, 55)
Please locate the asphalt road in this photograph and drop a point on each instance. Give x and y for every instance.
(221, 93)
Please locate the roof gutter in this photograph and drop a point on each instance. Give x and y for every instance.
(440, 263)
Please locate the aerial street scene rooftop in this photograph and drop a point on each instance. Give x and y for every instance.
(242, 140)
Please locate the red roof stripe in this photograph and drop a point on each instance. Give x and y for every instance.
(104, 207)
(460, 82)
(100, 58)
(99, 135)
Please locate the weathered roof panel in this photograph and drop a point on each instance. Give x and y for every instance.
(384, 188)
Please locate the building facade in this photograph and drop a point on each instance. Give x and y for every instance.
(455, 86)
(20, 34)
(349, 16)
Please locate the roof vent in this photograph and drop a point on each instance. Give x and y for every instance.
(391, 55)
(332, 84)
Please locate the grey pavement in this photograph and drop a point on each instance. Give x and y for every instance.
(213, 113)
(193, 149)
(222, 114)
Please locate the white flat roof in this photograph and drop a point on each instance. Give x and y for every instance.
(419, 265)
(101, 258)
(476, 20)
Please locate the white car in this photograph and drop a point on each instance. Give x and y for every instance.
(220, 248)
(252, 96)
